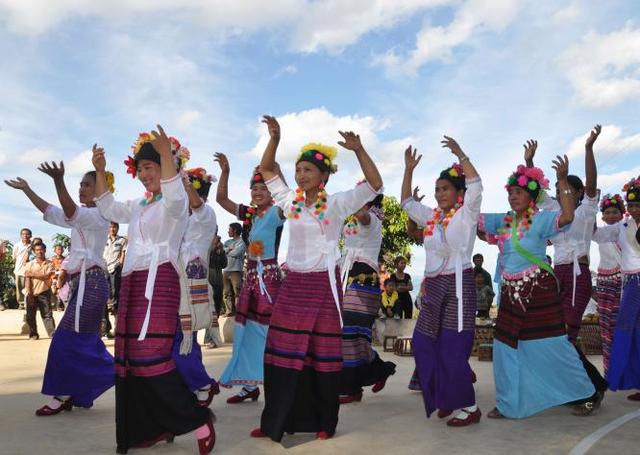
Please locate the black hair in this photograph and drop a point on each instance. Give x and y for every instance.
(147, 152)
(113, 223)
(478, 255)
(237, 228)
(458, 182)
(398, 259)
(388, 281)
(40, 243)
(91, 174)
(376, 201)
(26, 229)
(576, 184)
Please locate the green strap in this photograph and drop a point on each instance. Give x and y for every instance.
(529, 256)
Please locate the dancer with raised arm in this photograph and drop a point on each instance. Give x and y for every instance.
(153, 403)
(197, 309)
(262, 226)
(361, 365)
(79, 367)
(624, 361)
(535, 366)
(303, 355)
(443, 337)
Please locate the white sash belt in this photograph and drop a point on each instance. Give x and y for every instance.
(151, 281)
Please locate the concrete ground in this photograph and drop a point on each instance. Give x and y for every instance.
(391, 422)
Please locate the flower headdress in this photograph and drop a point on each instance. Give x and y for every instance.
(200, 180)
(256, 177)
(455, 175)
(612, 201)
(531, 179)
(143, 151)
(321, 155)
(632, 190)
(110, 181)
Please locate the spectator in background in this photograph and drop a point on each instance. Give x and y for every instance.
(20, 255)
(56, 261)
(217, 262)
(114, 252)
(404, 306)
(235, 249)
(38, 275)
(484, 294)
(478, 260)
(389, 298)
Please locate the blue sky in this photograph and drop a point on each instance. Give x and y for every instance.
(491, 73)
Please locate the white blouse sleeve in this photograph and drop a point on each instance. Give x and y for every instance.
(281, 193)
(417, 211)
(206, 216)
(472, 200)
(606, 234)
(110, 209)
(54, 215)
(88, 218)
(345, 203)
(549, 203)
(174, 197)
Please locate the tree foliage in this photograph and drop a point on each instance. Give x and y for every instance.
(7, 280)
(395, 240)
(63, 240)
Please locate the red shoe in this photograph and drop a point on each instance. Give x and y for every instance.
(213, 390)
(253, 396)
(45, 411)
(378, 386)
(166, 437)
(257, 433)
(472, 417)
(346, 399)
(634, 397)
(205, 445)
(324, 435)
(442, 413)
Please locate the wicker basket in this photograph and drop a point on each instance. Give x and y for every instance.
(485, 352)
(403, 347)
(484, 335)
(386, 347)
(591, 340)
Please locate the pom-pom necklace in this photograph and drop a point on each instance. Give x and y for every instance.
(319, 207)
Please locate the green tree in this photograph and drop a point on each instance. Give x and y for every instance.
(7, 280)
(395, 240)
(63, 240)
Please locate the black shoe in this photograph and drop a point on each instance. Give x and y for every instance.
(34, 337)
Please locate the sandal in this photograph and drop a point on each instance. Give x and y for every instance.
(495, 414)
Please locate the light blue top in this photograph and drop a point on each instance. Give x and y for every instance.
(267, 229)
(543, 227)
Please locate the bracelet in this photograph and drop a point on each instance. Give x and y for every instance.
(567, 191)
(463, 159)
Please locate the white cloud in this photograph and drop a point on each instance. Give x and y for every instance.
(567, 14)
(186, 119)
(613, 183)
(289, 69)
(35, 156)
(437, 42)
(309, 25)
(610, 142)
(604, 69)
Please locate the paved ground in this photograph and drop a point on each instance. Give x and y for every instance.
(391, 422)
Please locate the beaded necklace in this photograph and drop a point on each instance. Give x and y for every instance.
(319, 207)
(524, 224)
(352, 227)
(252, 212)
(150, 199)
(437, 218)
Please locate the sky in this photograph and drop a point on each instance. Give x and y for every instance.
(490, 73)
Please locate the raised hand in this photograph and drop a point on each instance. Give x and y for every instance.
(411, 158)
(452, 145)
(595, 132)
(530, 148)
(53, 170)
(161, 142)
(98, 159)
(416, 194)
(351, 141)
(222, 161)
(18, 184)
(561, 166)
(273, 126)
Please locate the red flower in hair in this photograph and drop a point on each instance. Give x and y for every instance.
(131, 166)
